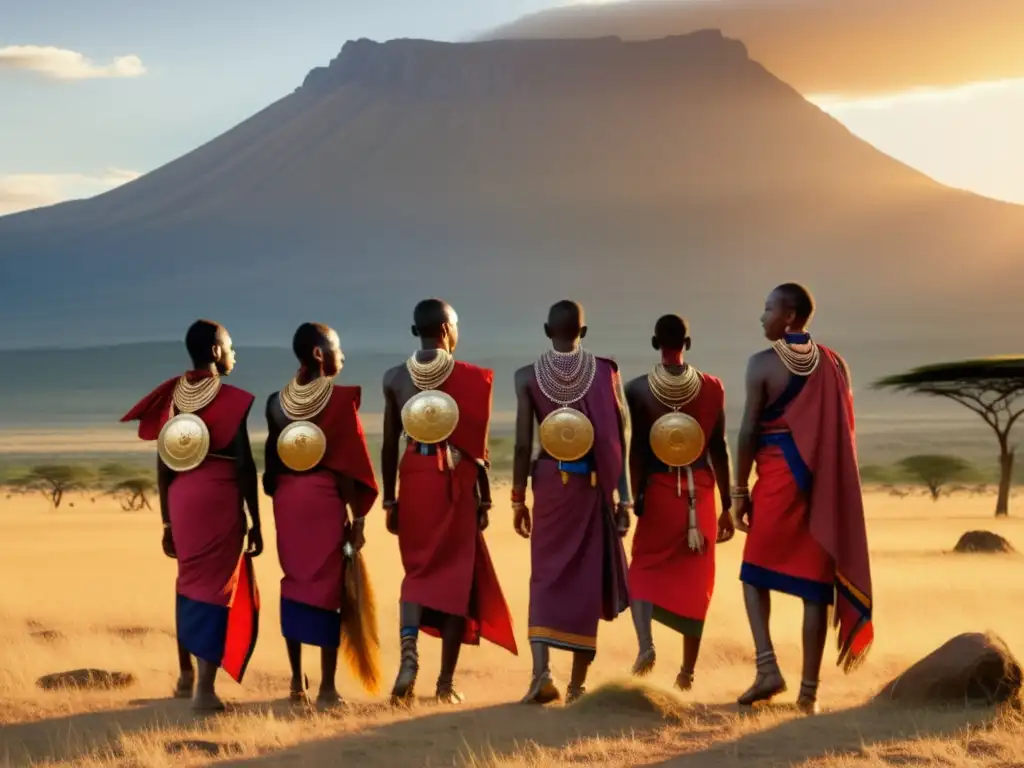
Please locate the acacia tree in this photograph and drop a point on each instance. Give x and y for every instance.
(935, 470)
(992, 387)
(54, 480)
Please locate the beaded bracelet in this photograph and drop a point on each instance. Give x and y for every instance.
(518, 495)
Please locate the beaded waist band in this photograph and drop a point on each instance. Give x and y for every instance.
(582, 467)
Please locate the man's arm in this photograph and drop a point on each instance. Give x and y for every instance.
(625, 436)
(718, 452)
(271, 459)
(391, 438)
(523, 454)
(637, 448)
(247, 475)
(164, 476)
(749, 429)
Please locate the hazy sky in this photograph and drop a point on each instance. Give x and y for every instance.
(97, 92)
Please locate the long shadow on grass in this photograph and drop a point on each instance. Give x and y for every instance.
(434, 736)
(65, 738)
(843, 732)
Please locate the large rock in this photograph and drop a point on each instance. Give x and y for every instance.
(972, 668)
(983, 542)
(85, 679)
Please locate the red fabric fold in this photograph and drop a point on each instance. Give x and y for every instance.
(821, 421)
(243, 620)
(222, 417)
(472, 388)
(347, 453)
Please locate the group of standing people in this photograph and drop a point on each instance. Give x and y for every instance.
(653, 450)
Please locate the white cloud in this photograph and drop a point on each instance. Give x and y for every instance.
(21, 191)
(62, 64)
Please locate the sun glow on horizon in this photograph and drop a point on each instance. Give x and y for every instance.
(966, 136)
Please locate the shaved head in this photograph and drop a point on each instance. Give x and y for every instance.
(208, 343)
(566, 321)
(671, 333)
(435, 323)
(200, 339)
(798, 300)
(309, 337)
(430, 316)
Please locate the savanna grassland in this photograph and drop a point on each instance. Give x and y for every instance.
(87, 586)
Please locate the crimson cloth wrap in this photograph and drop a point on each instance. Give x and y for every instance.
(217, 607)
(578, 572)
(808, 535)
(222, 417)
(448, 568)
(309, 515)
(664, 570)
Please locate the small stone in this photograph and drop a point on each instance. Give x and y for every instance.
(85, 679)
(46, 635)
(970, 668)
(983, 542)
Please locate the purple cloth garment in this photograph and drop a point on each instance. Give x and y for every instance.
(578, 574)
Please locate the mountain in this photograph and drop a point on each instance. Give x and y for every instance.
(639, 177)
(819, 47)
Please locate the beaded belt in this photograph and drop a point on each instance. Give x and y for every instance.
(583, 467)
(444, 450)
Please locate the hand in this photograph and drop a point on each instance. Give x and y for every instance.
(255, 548)
(741, 513)
(357, 537)
(168, 544)
(483, 519)
(391, 518)
(521, 520)
(622, 520)
(726, 527)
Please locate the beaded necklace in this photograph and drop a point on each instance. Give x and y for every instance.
(565, 377)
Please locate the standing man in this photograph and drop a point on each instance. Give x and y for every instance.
(318, 470)
(672, 572)
(206, 477)
(578, 563)
(806, 534)
(450, 588)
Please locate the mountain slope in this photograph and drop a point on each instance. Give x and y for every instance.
(819, 46)
(641, 177)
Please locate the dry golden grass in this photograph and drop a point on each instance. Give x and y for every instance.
(96, 576)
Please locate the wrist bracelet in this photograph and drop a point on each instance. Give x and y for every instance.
(518, 495)
(389, 504)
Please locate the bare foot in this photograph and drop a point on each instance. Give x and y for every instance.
(542, 691)
(765, 688)
(449, 696)
(684, 680)
(329, 699)
(207, 701)
(574, 693)
(183, 688)
(807, 706)
(644, 663)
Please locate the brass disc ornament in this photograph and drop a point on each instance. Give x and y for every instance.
(429, 417)
(677, 439)
(567, 434)
(301, 445)
(183, 442)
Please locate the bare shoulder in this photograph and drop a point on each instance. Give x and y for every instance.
(761, 362)
(636, 385)
(524, 376)
(392, 375)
